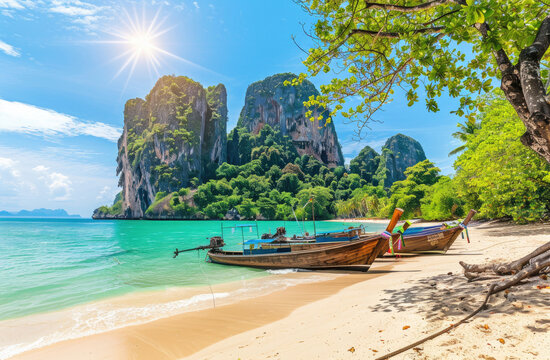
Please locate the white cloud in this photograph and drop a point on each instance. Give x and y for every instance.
(8, 165)
(29, 119)
(81, 13)
(50, 179)
(105, 194)
(60, 186)
(74, 8)
(40, 168)
(11, 4)
(196, 4)
(8, 49)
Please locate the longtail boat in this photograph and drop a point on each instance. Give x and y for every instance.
(297, 245)
(269, 241)
(430, 239)
(427, 239)
(350, 255)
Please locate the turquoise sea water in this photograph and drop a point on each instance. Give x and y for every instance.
(51, 264)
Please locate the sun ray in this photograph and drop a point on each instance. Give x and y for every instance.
(140, 36)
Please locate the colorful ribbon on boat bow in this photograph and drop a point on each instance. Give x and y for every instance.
(387, 235)
(465, 228)
(401, 231)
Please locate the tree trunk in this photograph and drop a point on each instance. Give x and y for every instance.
(523, 86)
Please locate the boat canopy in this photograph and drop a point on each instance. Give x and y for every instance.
(258, 241)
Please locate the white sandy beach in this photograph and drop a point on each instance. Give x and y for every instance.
(356, 316)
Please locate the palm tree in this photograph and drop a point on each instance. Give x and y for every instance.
(466, 129)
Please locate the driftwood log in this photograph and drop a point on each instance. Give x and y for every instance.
(529, 263)
(535, 263)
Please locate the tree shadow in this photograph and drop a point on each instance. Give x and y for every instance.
(451, 295)
(511, 229)
(541, 325)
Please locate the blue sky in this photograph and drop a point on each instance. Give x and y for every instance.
(62, 91)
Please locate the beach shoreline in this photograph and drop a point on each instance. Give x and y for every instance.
(353, 315)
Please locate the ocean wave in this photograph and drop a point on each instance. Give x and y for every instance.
(100, 317)
(282, 271)
(96, 318)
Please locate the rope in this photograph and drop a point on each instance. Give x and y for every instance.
(207, 281)
(298, 222)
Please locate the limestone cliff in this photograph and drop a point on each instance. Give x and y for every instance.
(176, 134)
(271, 102)
(398, 153)
(402, 152)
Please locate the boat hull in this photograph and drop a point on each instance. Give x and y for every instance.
(438, 242)
(360, 252)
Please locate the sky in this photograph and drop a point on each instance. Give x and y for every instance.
(67, 67)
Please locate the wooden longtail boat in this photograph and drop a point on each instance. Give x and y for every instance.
(430, 239)
(315, 244)
(302, 242)
(352, 255)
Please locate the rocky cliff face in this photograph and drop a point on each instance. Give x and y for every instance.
(402, 153)
(176, 134)
(398, 153)
(271, 102)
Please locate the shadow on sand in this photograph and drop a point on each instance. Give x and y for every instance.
(497, 229)
(443, 296)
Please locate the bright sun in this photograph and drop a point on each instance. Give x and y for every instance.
(142, 43)
(140, 36)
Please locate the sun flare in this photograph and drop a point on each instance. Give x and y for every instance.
(139, 38)
(142, 43)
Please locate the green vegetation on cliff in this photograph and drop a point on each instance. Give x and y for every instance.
(495, 174)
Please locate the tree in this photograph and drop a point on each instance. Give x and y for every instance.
(247, 209)
(365, 164)
(322, 202)
(267, 207)
(227, 171)
(498, 175)
(468, 128)
(385, 45)
(408, 193)
(289, 183)
(441, 201)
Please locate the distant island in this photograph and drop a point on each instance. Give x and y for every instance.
(57, 213)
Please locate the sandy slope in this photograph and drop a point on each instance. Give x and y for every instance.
(357, 316)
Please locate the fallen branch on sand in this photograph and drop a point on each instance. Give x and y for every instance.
(472, 272)
(536, 263)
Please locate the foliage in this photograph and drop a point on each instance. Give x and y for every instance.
(408, 193)
(468, 128)
(365, 164)
(322, 202)
(385, 45)
(441, 201)
(498, 175)
(116, 209)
